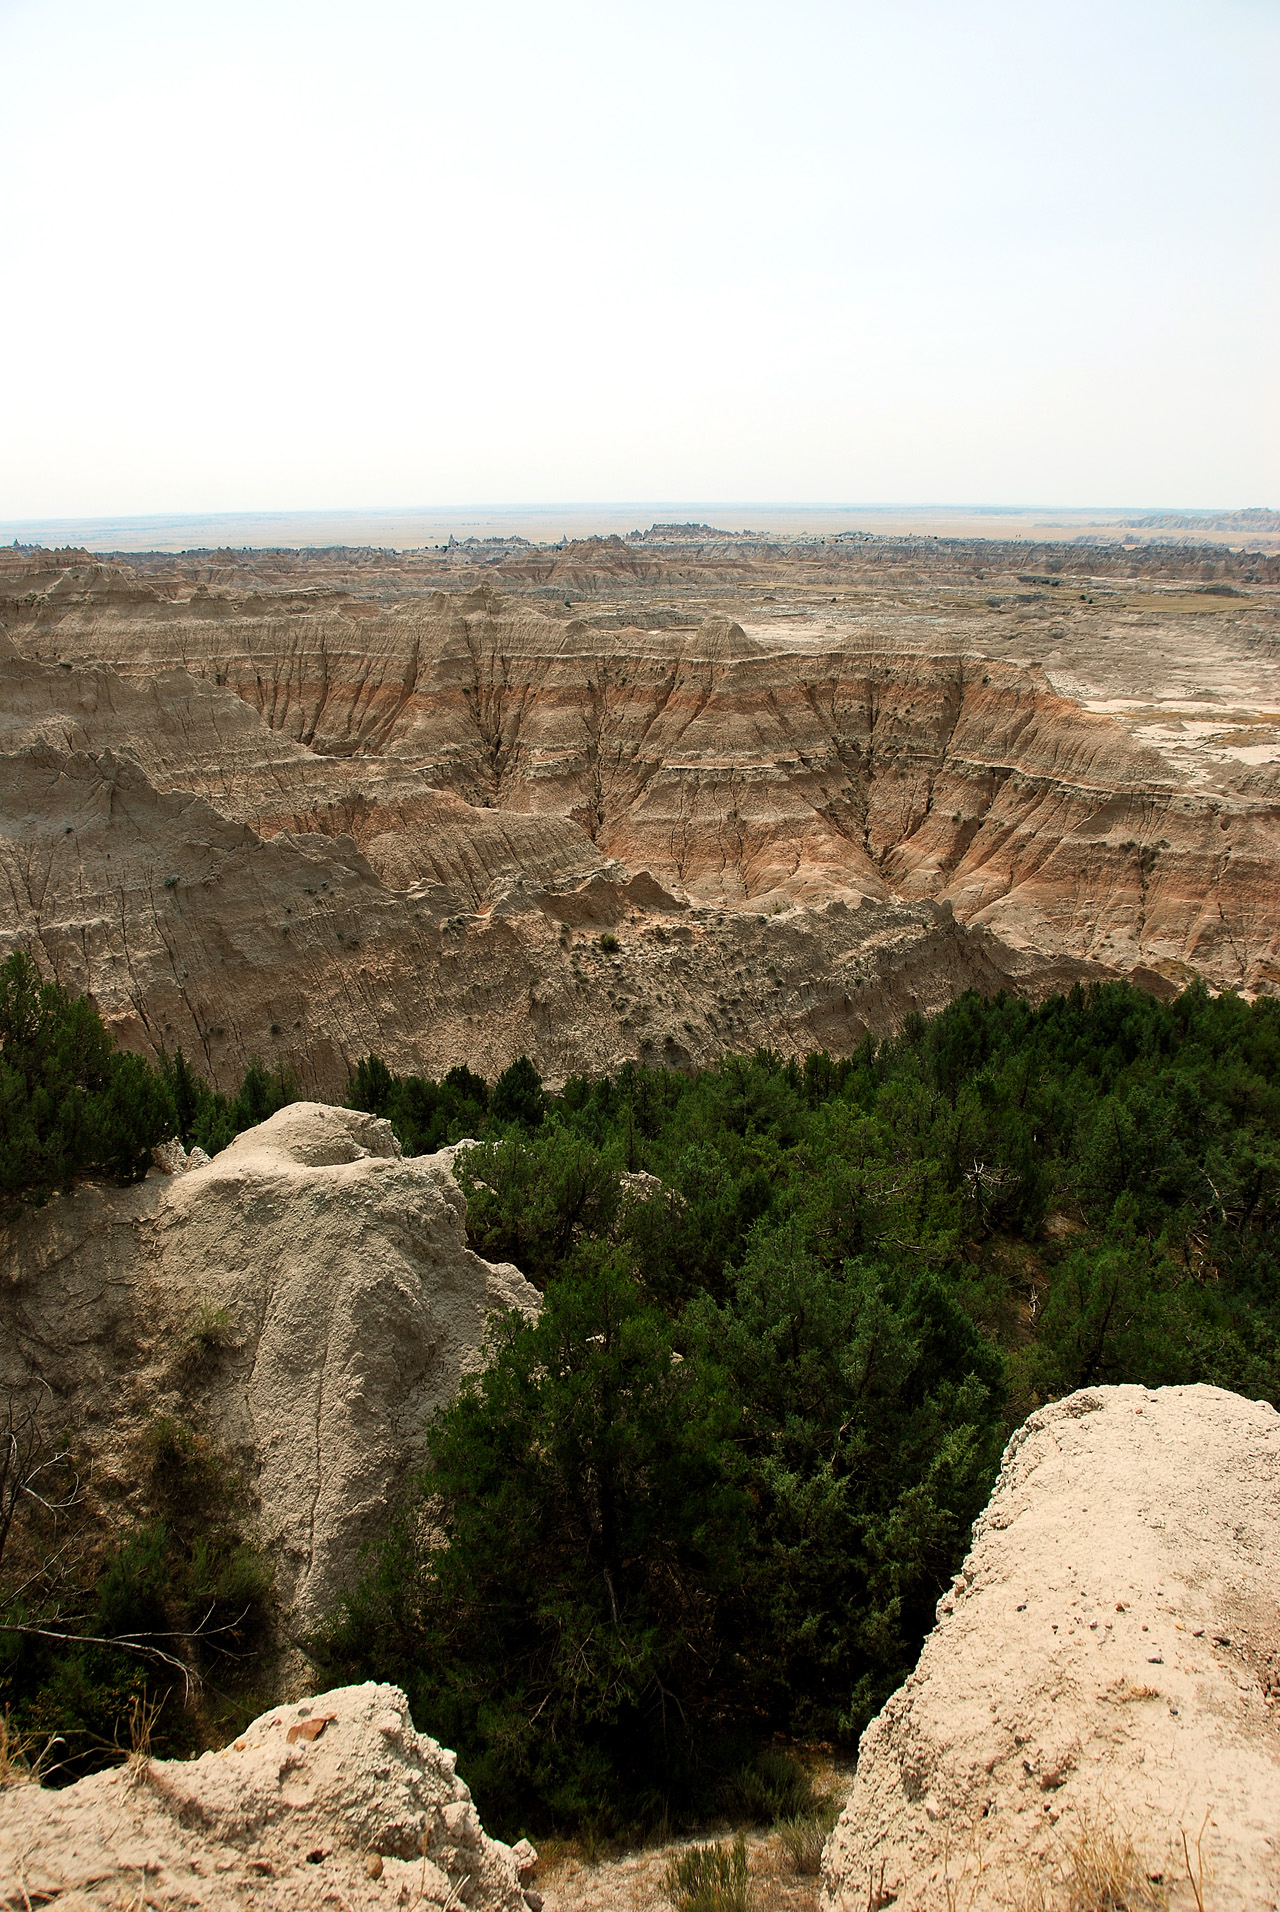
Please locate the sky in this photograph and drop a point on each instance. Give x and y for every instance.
(302, 254)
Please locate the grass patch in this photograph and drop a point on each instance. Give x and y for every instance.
(709, 1878)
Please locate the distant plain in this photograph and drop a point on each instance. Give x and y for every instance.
(411, 528)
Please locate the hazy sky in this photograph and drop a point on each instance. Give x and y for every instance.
(314, 254)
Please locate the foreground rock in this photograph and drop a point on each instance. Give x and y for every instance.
(1104, 1675)
(335, 1801)
(308, 1298)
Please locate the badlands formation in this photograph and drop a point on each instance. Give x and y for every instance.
(307, 1298)
(308, 805)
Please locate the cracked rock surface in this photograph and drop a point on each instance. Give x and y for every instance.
(1106, 1666)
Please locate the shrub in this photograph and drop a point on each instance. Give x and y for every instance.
(530, 1202)
(709, 1878)
(609, 942)
(208, 1119)
(870, 1267)
(517, 1096)
(165, 1623)
(70, 1104)
(552, 1607)
(774, 1787)
(425, 1115)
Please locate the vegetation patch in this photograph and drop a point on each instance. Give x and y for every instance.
(792, 1312)
(151, 1634)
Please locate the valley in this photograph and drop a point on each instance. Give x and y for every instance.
(640, 798)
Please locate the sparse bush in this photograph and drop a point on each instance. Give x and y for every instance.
(609, 942)
(114, 1639)
(803, 1841)
(212, 1328)
(709, 1878)
(23, 1756)
(774, 1787)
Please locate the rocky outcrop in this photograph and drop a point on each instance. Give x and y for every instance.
(307, 1298)
(332, 1801)
(196, 930)
(1104, 1676)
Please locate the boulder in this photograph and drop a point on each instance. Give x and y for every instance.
(332, 1801)
(1099, 1697)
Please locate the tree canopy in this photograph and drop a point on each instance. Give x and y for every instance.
(716, 1491)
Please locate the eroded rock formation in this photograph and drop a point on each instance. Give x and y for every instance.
(335, 1800)
(308, 1298)
(225, 806)
(1104, 1675)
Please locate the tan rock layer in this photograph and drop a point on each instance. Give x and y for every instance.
(331, 1801)
(347, 1305)
(1104, 1674)
(194, 932)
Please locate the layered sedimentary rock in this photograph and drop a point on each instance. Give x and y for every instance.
(335, 1800)
(308, 1299)
(410, 758)
(1099, 1697)
(194, 929)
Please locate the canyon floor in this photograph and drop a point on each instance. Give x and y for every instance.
(641, 798)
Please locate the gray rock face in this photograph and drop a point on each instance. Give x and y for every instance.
(335, 1801)
(307, 1297)
(1104, 1677)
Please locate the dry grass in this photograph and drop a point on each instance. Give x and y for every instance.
(143, 1714)
(709, 1878)
(961, 1891)
(804, 1837)
(1105, 1873)
(803, 1841)
(1195, 1873)
(22, 1757)
(1099, 1871)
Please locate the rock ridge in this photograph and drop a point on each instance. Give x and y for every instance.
(335, 1800)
